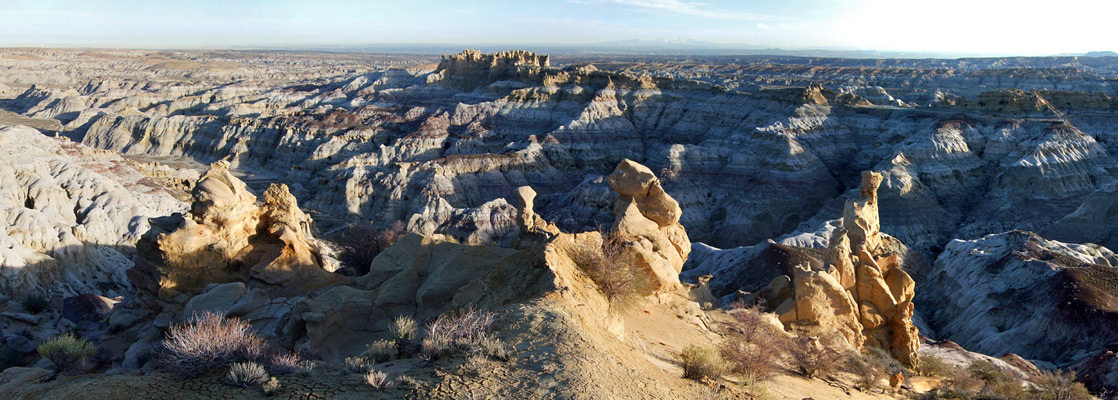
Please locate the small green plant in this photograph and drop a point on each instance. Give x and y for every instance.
(65, 351)
(702, 362)
(382, 350)
(247, 374)
(378, 380)
(404, 332)
(404, 328)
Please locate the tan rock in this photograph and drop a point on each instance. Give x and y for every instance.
(862, 293)
(648, 218)
(227, 237)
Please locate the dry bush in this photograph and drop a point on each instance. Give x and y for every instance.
(1060, 385)
(613, 268)
(247, 374)
(382, 350)
(65, 351)
(284, 363)
(475, 365)
(271, 387)
(815, 357)
(873, 366)
(378, 380)
(494, 349)
(701, 362)
(753, 347)
(211, 341)
(362, 243)
(456, 330)
(358, 364)
(932, 365)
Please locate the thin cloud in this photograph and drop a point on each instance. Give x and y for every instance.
(681, 7)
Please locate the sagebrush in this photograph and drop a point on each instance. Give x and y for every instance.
(211, 341)
(65, 351)
(247, 374)
(702, 362)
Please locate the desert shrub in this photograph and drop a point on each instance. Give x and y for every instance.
(362, 243)
(494, 349)
(358, 364)
(461, 329)
(701, 362)
(475, 365)
(613, 268)
(1060, 385)
(382, 350)
(247, 374)
(378, 380)
(404, 331)
(986, 371)
(35, 303)
(813, 357)
(874, 365)
(284, 363)
(211, 341)
(753, 347)
(932, 365)
(65, 351)
(271, 387)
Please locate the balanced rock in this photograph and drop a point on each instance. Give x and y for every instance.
(648, 219)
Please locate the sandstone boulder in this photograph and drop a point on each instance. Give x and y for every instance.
(648, 219)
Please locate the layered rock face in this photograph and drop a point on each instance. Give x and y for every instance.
(70, 216)
(648, 218)
(227, 236)
(442, 147)
(1018, 292)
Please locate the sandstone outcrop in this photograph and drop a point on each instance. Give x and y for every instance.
(857, 286)
(648, 219)
(228, 237)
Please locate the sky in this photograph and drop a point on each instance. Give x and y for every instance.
(980, 27)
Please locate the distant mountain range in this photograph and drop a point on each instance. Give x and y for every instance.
(652, 46)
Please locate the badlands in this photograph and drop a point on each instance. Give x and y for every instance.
(197, 225)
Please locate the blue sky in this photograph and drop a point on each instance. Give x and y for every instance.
(1026, 27)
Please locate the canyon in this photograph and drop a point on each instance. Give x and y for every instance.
(173, 182)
